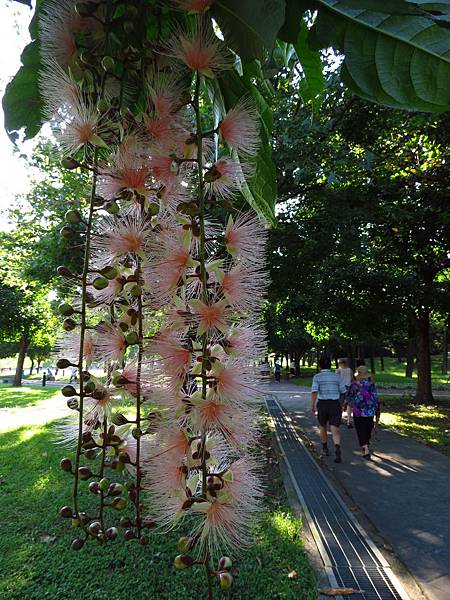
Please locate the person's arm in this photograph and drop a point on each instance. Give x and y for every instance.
(314, 394)
(378, 405)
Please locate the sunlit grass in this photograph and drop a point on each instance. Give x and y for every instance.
(13, 397)
(429, 424)
(36, 561)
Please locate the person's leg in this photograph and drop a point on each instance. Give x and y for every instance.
(363, 428)
(322, 417)
(335, 422)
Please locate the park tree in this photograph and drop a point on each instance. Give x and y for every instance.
(24, 318)
(160, 152)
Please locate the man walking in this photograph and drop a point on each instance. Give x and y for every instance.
(328, 391)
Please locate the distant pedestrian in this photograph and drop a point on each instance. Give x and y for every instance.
(346, 375)
(277, 370)
(366, 407)
(328, 391)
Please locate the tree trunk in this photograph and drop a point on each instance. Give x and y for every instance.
(445, 350)
(410, 351)
(38, 368)
(424, 392)
(297, 364)
(32, 366)
(23, 347)
(381, 362)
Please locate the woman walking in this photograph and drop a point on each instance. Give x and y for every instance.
(363, 398)
(346, 375)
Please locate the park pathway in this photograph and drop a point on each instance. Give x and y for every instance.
(404, 491)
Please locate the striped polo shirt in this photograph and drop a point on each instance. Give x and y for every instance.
(328, 384)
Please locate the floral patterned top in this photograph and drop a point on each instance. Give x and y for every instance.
(363, 397)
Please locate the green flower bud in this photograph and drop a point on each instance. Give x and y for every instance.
(119, 503)
(108, 63)
(225, 580)
(132, 338)
(111, 533)
(68, 390)
(65, 309)
(184, 544)
(182, 561)
(69, 163)
(67, 232)
(69, 324)
(100, 283)
(224, 563)
(110, 272)
(104, 484)
(73, 216)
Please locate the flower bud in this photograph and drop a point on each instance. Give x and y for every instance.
(109, 272)
(104, 484)
(225, 580)
(68, 391)
(112, 207)
(75, 523)
(73, 216)
(84, 473)
(69, 163)
(95, 528)
(63, 271)
(63, 363)
(65, 310)
(129, 534)
(67, 232)
(89, 387)
(66, 465)
(100, 283)
(69, 324)
(136, 433)
(182, 561)
(111, 533)
(184, 544)
(90, 453)
(224, 563)
(94, 487)
(125, 522)
(132, 338)
(119, 418)
(77, 544)
(119, 503)
(143, 540)
(108, 63)
(66, 512)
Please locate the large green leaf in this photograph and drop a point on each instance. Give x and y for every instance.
(402, 61)
(22, 103)
(293, 19)
(259, 191)
(249, 26)
(313, 84)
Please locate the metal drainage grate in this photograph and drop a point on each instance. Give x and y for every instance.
(350, 557)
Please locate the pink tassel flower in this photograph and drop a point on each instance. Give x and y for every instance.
(245, 238)
(212, 316)
(129, 170)
(200, 50)
(240, 128)
(224, 177)
(119, 237)
(110, 344)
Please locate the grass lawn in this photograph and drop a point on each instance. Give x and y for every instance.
(429, 424)
(30, 395)
(393, 375)
(36, 562)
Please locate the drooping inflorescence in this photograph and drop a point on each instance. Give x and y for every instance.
(167, 298)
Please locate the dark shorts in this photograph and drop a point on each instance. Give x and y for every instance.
(329, 411)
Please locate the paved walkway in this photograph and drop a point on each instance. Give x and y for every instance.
(404, 491)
